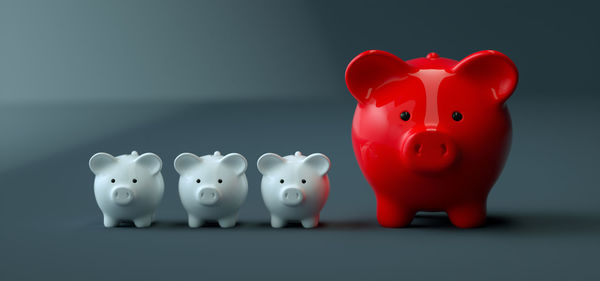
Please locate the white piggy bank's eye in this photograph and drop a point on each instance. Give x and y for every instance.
(281, 181)
(134, 180)
(113, 180)
(197, 180)
(303, 181)
(220, 181)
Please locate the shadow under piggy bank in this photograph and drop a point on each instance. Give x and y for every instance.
(441, 220)
(421, 221)
(546, 224)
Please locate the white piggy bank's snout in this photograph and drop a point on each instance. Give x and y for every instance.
(291, 196)
(122, 195)
(208, 195)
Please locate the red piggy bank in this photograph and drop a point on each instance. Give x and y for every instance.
(431, 134)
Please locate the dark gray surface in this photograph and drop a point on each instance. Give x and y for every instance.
(544, 219)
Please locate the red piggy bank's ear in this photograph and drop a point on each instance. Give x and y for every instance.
(493, 70)
(372, 69)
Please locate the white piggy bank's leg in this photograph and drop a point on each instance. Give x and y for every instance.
(153, 217)
(110, 222)
(229, 221)
(310, 222)
(277, 222)
(194, 222)
(144, 221)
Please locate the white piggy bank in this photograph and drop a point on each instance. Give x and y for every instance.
(212, 187)
(127, 187)
(294, 187)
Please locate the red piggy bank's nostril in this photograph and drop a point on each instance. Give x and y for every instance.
(418, 148)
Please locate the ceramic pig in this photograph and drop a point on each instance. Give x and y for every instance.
(127, 187)
(294, 187)
(212, 187)
(431, 134)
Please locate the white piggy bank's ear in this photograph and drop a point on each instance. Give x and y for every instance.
(150, 161)
(101, 160)
(268, 161)
(235, 161)
(185, 161)
(319, 162)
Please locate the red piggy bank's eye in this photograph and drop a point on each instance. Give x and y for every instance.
(457, 116)
(405, 116)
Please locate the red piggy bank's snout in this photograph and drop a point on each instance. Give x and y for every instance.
(428, 151)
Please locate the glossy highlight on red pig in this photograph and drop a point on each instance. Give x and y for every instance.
(431, 134)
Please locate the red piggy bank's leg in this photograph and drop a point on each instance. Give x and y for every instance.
(467, 215)
(393, 214)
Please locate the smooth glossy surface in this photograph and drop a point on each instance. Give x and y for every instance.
(294, 187)
(212, 187)
(127, 187)
(448, 153)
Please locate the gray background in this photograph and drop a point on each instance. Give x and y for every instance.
(77, 77)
